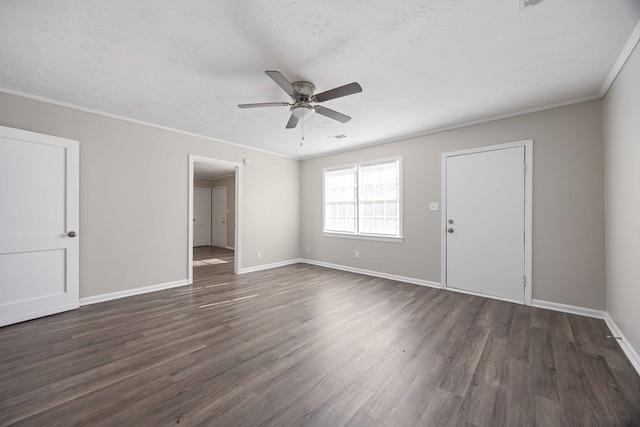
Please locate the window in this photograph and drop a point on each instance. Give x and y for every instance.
(363, 199)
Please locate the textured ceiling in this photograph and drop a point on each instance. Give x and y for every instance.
(423, 64)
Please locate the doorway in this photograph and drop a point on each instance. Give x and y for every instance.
(486, 221)
(206, 172)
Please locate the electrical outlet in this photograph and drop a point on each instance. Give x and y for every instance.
(357, 254)
(259, 255)
(308, 248)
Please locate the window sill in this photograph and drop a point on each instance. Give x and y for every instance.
(364, 237)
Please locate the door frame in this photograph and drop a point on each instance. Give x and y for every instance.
(193, 158)
(528, 214)
(226, 221)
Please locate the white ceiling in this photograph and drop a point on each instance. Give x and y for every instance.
(423, 64)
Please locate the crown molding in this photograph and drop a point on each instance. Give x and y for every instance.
(622, 59)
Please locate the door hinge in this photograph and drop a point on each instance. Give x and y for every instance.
(524, 169)
(524, 288)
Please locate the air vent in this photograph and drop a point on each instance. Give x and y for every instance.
(527, 3)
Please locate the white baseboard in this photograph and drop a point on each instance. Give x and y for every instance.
(571, 309)
(268, 266)
(380, 274)
(230, 248)
(130, 292)
(629, 351)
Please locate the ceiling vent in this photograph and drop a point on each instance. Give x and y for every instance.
(527, 3)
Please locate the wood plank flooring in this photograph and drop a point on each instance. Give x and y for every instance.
(308, 346)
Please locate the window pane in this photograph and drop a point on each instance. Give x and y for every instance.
(391, 209)
(378, 209)
(391, 226)
(351, 210)
(340, 200)
(379, 198)
(378, 225)
(367, 208)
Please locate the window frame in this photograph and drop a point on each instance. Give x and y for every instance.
(358, 172)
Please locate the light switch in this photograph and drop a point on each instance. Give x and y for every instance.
(433, 206)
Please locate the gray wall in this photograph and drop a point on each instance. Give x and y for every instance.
(568, 203)
(230, 183)
(622, 182)
(133, 196)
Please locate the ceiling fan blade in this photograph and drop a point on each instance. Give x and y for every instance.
(282, 81)
(293, 122)
(338, 92)
(264, 104)
(332, 114)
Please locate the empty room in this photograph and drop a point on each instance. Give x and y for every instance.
(418, 213)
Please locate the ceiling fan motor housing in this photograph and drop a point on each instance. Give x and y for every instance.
(305, 91)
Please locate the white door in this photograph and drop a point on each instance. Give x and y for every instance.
(485, 222)
(39, 197)
(201, 217)
(219, 216)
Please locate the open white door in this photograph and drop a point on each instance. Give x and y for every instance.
(201, 217)
(39, 203)
(219, 217)
(485, 209)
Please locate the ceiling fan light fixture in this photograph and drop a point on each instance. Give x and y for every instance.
(301, 111)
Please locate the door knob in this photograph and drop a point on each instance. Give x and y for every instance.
(72, 234)
(450, 230)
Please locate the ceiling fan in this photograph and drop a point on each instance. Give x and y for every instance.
(302, 94)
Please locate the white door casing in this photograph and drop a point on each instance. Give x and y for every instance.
(201, 217)
(219, 217)
(39, 214)
(487, 196)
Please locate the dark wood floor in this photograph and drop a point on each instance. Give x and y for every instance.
(304, 345)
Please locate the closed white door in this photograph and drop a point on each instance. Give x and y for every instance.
(219, 216)
(201, 217)
(485, 222)
(39, 203)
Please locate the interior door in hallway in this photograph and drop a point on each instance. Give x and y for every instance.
(219, 217)
(39, 205)
(485, 222)
(201, 216)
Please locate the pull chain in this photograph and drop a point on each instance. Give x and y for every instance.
(302, 132)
